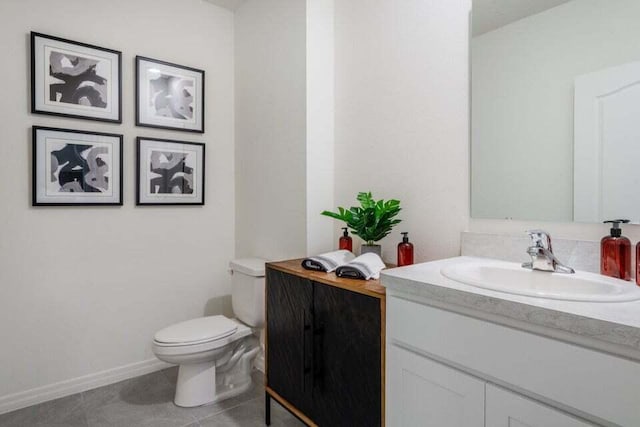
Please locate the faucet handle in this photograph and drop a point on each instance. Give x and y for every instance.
(540, 239)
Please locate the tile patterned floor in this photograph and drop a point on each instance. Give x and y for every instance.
(147, 401)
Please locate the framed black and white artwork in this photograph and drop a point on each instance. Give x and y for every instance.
(73, 79)
(169, 172)
(72, 167)
(169, 96)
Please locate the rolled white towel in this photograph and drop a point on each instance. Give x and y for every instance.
(328, 261)
(366, 266)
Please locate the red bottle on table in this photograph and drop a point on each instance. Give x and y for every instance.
(405, 251)
(345, 241)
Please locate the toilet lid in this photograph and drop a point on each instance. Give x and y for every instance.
(197, 330)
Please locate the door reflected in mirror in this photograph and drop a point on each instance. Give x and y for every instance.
(555, 133)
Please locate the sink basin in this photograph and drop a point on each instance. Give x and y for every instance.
(511, 278)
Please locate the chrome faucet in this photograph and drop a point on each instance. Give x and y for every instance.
(542, 257)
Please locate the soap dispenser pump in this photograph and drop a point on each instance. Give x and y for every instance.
(615, 252)
(345, 242)
(405, 251)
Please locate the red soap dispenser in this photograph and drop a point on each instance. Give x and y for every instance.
(615, 252)
(405, 251)
(345, 241)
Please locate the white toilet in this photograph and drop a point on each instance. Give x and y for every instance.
(216, 353)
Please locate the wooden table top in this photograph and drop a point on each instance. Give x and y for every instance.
(294, 266)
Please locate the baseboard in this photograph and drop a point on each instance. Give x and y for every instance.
(45, 393)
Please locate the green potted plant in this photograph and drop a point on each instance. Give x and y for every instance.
(371, 221)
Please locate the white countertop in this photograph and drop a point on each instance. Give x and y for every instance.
(610, 327)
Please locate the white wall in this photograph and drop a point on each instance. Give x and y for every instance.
(270, 90)
(402, 115)
(400, 121)
(284, 127)
(320, 125)
(83, 290)
(522, 83)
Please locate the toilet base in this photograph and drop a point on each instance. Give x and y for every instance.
(205, 383)
(196, 384)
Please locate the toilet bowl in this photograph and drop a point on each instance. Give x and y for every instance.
(215, 354)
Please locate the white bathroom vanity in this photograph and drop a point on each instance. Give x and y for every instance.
(463, 355)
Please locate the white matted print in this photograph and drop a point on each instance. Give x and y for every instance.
(169, 96)
(73, 167)
(75, 79)
(169, 172)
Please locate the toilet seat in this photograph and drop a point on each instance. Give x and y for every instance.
(196, 331)
(183, 348)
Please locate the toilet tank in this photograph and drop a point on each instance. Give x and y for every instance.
(247, 290)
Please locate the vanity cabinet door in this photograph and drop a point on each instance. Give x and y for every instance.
(422, 392)
(347, 358)
(508, 409)
(289, 340)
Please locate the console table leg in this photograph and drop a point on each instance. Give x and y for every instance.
(267, 409)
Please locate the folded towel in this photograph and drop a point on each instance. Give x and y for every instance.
(328, 261)
(366, 266)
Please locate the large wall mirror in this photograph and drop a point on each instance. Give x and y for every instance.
(555, 96)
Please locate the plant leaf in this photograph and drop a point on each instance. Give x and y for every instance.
(372, 220)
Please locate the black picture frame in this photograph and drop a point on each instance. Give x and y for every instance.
(43, 104)
(39, 158)
(169, 199)
(144, 115)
